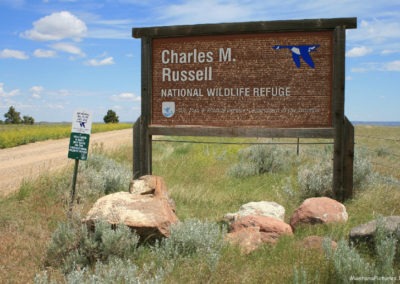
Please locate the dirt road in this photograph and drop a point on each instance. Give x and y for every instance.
(28, 161)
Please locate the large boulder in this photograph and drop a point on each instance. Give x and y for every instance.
(319, 210)
(250, 232)
(366, 232)
(147, 208)
(248, 239)
(261, 208)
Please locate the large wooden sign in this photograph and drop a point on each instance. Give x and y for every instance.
(264, 80)
(254, 79)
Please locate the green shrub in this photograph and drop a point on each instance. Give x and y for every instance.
(348, 263)
(260, 159)
(24, 191)
(382, 152)
(315, 178)
(385, 248)
(362, 169)
(64, 240)
(350, 266)
(301, 277)
(73, 245)
(115, 271)
(192, 238)
(104, 175)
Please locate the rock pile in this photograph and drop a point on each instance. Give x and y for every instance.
(257, 223)
(146, 208)
(251, 231)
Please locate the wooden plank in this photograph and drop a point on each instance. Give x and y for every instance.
(338, 112)
(145, 137)
(348, 163)
(136, 150)
(246, 27)
(242, 132)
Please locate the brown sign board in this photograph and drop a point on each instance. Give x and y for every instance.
(254, 79)
(245, 79)
(264, 80)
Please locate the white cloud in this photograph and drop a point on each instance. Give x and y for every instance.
(57, 26)
(36, 91)
(109, 29)
(360, 69)
(41, 53)
(68, 48)
(126, 97)
(376, 31)
(102, 62)
(11, 53)
(358, 51)
(392, 66)
(389, 51)
(5, 94)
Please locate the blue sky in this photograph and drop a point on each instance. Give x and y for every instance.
(57, 56)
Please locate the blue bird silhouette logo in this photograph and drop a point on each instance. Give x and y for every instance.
(300, 51)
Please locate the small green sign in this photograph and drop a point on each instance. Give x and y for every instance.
(78, 146)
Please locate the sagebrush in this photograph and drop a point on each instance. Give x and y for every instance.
(113, 251)
(315, 176)
(350, 265)
(104, 175)
(75, 246)
(260, 159)
(193, 238)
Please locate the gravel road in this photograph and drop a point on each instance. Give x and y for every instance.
(28, 161)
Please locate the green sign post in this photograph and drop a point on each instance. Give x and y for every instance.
(79, 144)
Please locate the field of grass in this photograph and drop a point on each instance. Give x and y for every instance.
(198, 179)
(15, 135)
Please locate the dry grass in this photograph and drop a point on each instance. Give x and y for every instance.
(197, 179)
(26, 222)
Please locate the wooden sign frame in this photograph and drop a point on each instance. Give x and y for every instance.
(341, 129)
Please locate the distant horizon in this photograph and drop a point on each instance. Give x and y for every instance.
(379, 123)
(355, 122)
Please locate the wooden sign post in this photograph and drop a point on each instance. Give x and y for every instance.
(254, 79)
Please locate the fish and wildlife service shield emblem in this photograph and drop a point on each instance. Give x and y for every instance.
(168, 109)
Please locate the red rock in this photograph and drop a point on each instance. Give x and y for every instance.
(319, 210)
(248, 239)
(153, 186)
(251, 231)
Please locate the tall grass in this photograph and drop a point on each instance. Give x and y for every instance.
(15, 135)
(197, 176)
